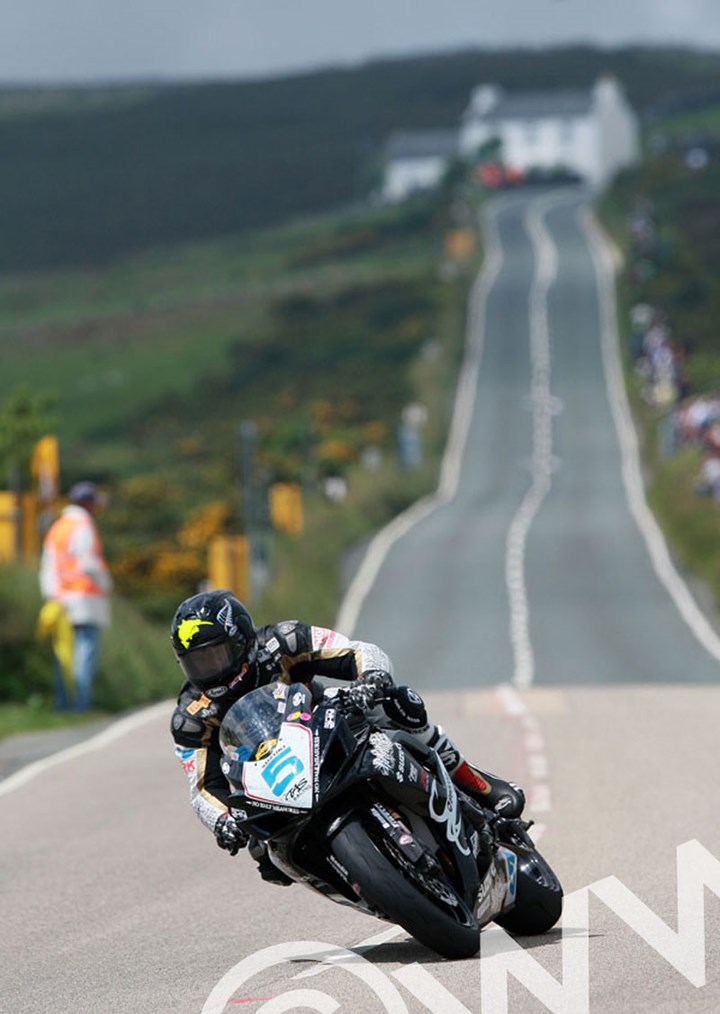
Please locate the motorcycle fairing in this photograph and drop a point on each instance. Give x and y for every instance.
(284, 777)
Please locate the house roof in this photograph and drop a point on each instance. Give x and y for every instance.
(537, 105)
(422, 144)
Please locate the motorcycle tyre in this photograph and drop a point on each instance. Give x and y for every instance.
(384, 886)
(539, 899)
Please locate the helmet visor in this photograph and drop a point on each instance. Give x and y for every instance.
(211, 664)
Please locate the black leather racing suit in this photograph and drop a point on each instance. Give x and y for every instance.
(294, 652)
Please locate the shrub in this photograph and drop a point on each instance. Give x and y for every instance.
(26, 668)
(136, 663)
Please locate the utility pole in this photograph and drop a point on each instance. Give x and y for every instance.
(248, 438)
(252, 522)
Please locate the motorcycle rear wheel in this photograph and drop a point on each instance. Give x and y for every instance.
(450, 929)
(539, 899)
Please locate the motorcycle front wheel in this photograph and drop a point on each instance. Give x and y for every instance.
(426, 905)
(539, 898)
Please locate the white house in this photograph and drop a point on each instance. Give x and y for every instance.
(416, 160)
(593, 133)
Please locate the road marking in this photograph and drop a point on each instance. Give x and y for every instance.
(117, 730)
(451, 465)
(542, 405)
(663, 566)
(539, 797)
(304, 950)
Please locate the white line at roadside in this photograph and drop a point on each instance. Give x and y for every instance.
(114, 732)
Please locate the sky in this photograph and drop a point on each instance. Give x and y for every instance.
(80, 41)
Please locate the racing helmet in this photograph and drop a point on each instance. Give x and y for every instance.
(214, 640)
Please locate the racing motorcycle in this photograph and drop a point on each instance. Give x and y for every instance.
(369, 817)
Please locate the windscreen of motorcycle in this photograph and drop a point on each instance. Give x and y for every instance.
(253, 721)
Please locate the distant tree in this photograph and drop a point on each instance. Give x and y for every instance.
(454, 175)
(25, 416)
(489, 151)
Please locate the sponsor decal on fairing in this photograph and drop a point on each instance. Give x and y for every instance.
(283, 776)
(382, 752)
(447, 813)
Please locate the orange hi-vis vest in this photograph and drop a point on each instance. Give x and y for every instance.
(71, 578)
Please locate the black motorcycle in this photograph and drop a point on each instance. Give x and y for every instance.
(370, 817)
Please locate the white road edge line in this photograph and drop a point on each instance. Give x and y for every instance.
(114, 732)
(464, 406)
(668, 576)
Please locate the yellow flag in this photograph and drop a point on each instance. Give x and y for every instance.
(53, 622)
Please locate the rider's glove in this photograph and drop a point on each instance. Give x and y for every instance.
(229, 835)
(368, 689)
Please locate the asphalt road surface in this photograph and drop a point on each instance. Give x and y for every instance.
(531, 602)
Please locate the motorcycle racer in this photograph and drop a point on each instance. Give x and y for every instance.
(223, 656)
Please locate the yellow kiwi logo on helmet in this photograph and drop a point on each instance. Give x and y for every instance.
(189, 628)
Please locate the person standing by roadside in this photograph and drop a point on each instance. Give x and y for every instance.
(75, 574)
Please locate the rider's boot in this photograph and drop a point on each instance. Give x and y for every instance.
(489, 791)
(505, 798)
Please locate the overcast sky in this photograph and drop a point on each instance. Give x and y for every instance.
(83, 40)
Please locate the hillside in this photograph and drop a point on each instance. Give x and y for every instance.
(321, 333)
(316, 332)
(87, 176)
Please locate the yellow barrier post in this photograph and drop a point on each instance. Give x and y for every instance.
(8, 527)
(286, 508)
(459, 244)
(29, 528)
(228, 564)
(45, 468)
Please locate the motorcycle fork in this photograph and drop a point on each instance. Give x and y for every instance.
(402, 837)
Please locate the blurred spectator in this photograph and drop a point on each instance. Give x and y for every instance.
(75, 575)
(697, 158)
(661, 360)
(709, 481)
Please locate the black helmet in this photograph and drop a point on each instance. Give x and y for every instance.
(213, 637)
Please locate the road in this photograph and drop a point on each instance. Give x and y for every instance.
(531, 602)
(539, 525)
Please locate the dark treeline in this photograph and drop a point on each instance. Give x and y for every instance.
(191, 162)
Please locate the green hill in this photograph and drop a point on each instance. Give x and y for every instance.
(314, 331)
(319, 332)
(88, 175)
